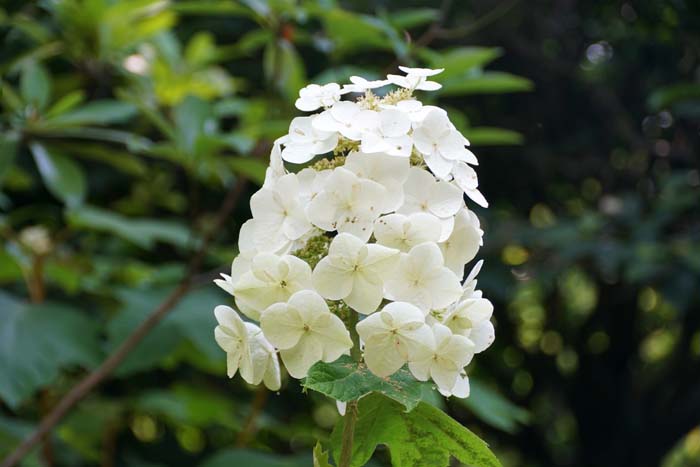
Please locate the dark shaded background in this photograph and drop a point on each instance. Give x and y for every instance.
(584, 116)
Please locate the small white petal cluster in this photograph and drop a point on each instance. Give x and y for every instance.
(366, 246)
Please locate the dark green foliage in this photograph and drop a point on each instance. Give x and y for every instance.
(124, 123)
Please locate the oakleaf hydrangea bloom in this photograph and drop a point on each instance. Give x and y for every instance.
(363, 250)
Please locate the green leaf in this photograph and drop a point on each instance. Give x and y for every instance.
(190, 117)
(320, 456)
(190, 323)
(346, 380)
(65, 103)
(488, 82)
(37, 342)
(457, 62)
(101, 112)
(62, 176)
(189, 405)
(411, 18)
(116, 158)
(494, 409)
(35, 84)
(667, 96)
(234, 457)
(423, 437)
(351, 32)
(211, 7)
(492, 136)
(142, 232)
(8, 153)
(252, 169)
(284, 68)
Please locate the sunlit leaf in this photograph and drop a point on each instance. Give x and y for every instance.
(320, 456)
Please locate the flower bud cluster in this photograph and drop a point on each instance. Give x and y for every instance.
(370, 240)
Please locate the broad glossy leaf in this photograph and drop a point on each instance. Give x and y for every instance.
(37, 342)
(492, 408)
(102, 112)
(488, 82)
(347, 380)
(35, 84)
(142, 232)
(62, 176)
(423, 437)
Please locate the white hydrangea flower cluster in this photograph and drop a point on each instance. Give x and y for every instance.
(365, 248)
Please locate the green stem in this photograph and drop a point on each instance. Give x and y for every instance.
(350, 418)
(348, 434)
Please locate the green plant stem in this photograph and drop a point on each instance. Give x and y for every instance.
(348, 434)
(350, 417)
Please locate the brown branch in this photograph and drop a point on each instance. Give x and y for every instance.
(83, 388)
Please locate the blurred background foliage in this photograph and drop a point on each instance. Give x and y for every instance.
(124, 123)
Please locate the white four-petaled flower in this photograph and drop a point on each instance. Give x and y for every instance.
(354, 272)
(271, 279)
(445, 360)
(246, 349)
(422, 193)
(393, 336)
(416, 78)
(441, 144)
(422, 279)
(305, 331)
(347, 203)
(314, 96)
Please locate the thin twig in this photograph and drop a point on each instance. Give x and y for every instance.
(250, 425)
(87, 384)
(480, 23)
